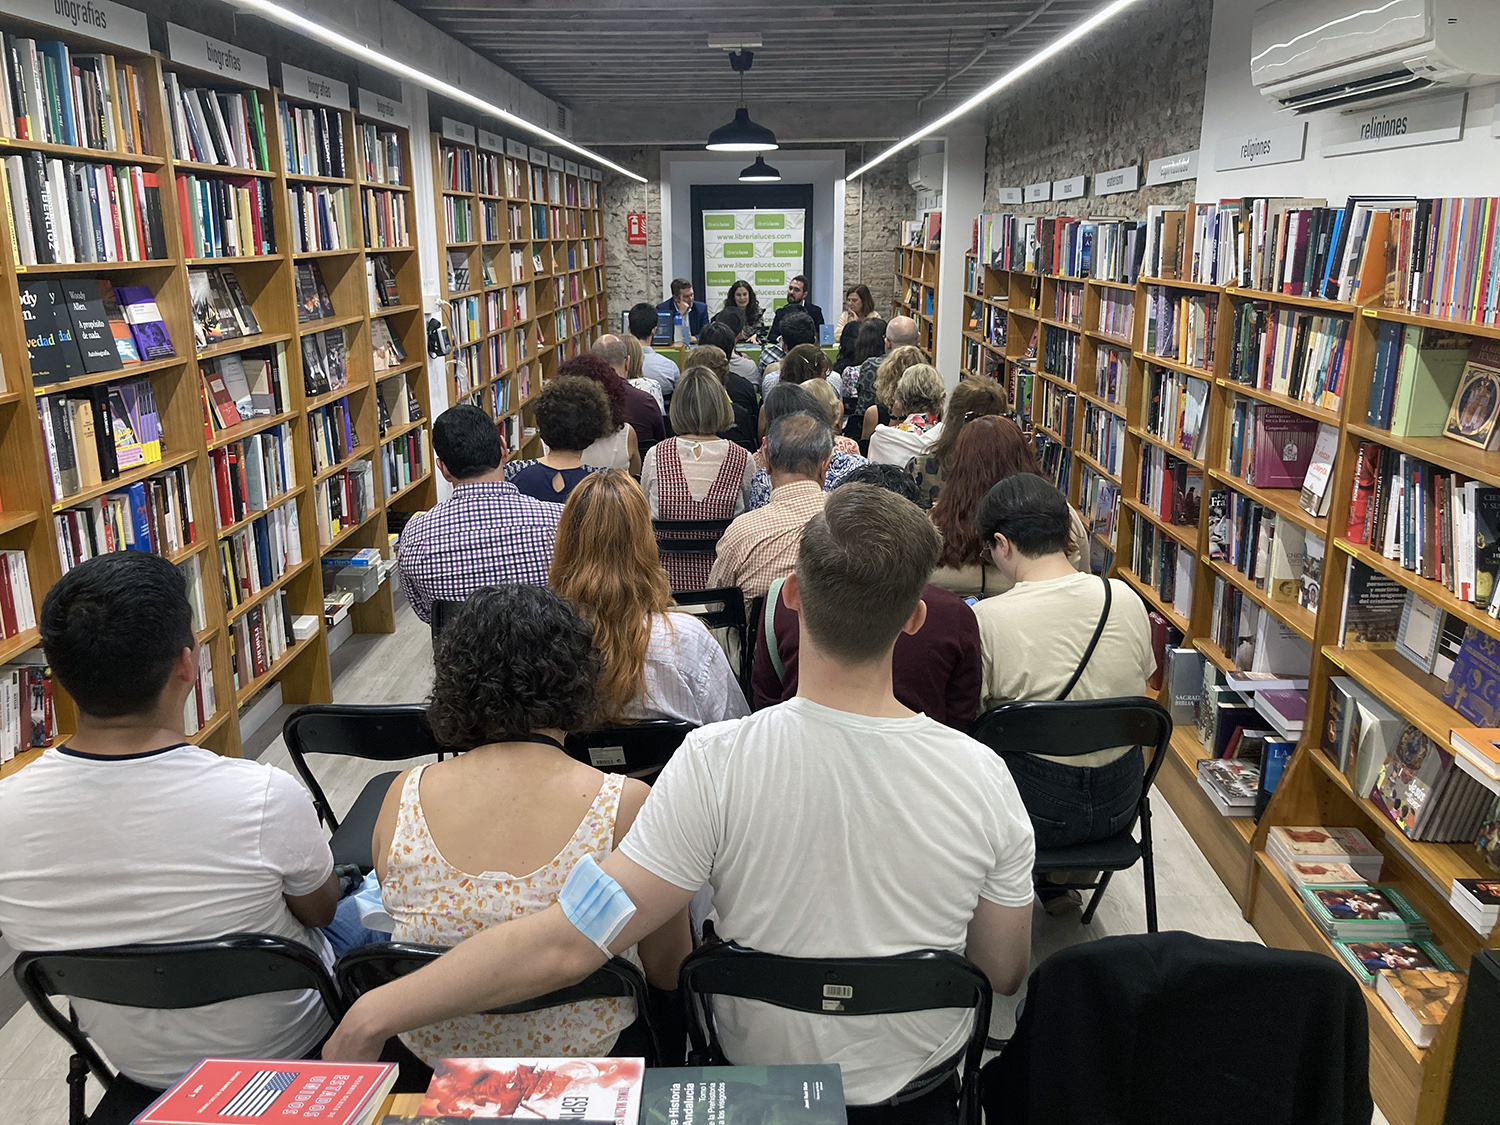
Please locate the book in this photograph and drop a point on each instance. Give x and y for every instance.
(1372, 608)
(1367, 958)
(91, 325)
(540, 1089)
(1281, 447)
(247, 1091)
(1321, 874)
(1273, 763)
(1316, 496)
(1476, 403)
(1480, 745)
(1477, 902)
(1431, 366)
(138, 305)
(1417, 635)
(1355, 911)
(786, 1095)
(1316, 844)
(50, 345)
(1473, 687)
(1231, 785)
(1420, 999)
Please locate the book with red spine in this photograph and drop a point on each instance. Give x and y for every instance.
(247, 1091)
(536, 1089)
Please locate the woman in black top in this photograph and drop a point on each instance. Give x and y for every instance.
(571, 414)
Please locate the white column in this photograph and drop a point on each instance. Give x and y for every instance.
(963, 195)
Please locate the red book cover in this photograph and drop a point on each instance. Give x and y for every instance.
(246, 1091)
(1283, 446)
(540, 1089)
(184, 216)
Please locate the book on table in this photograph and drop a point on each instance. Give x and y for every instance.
(247, 1091)
(1420, 999)
(538, 1089)
(1368, 958)
(1289, 844)
(1358, 911)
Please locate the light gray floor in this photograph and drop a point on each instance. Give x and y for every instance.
(397, 669)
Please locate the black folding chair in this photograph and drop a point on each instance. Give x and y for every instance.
(382, 733)
(632, 748)
(441, 613)
(722, 608)
(843, 986)
(184, 974)
(689, 537)
(367, 967)
(1066, 729)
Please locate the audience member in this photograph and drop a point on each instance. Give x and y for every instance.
(783, 400)
(697, 475)
(571, 415)
(761, 546)
(626, 357)
(513, 673)
(858, 305)
(919, 405)
(937, 670)
(972, 398)
(798, 299)
(796, 328)
(900, 332)
(869, 343)
(801, 364)
(689, 317)
(741, 365)
(1035, 638)
(486, 533)
(847, 338)
(892, 367)
(642, 320)
(631, 413)
(129, 833)
(932, 849)
(714, 353)
(741, 297)
(828, 399)
(988, 450)
(653, 664)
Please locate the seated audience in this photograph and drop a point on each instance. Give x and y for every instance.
(697, 475)
(486, 533)
(514, 672)
(919, 404)
(858, 305)
(689, 317)
(828, 399)
(741, 299)
(129, 833)
(654, 365)
(847, 338)
(629, 408)
(972, 398)
(883, 389)
(795, 328)
(988, 451)
(783, 400)
(869, 343)
(941, 859)
(571, 415)
(626, 358)
(714, 353)
(802, 364)
(1034, 638)
(900, 332)
(741, 365)
(761, 546)
(798, 299)
(936, 670)
(653, 664)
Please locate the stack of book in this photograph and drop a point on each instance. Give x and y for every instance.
(1477, 752)
(1477, 902)
(1359, 911)
(1420, 999)
(27, 717)
(1426, 795)
(1317, 844)
(1230, 785)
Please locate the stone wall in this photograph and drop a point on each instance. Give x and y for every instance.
(874, 207)
(1131, 92)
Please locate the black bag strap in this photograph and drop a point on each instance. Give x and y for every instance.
(1093, 642)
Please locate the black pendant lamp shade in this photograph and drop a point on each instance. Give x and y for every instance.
(760, 173)
(742, 134)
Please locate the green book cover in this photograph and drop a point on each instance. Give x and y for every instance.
(742, 1095)
(258, 131)
(1431, 364)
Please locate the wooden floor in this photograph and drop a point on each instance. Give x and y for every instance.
(397, 669)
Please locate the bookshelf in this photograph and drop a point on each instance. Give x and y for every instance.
(1047, 333)
(523, 279)
(917, 289)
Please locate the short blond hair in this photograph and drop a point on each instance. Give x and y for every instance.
(706, 355)
(828, 399)
(921, 390)
(636, 362)
(891, 368)
(700, 404)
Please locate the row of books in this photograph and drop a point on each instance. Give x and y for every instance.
(456, 168)
(220, 309)
(319, 218)
(257, 556)
(200, 706)
(1060, 353)
(325, 362)
(82, 326)
(251, 474)
(380, 283)
(332, 434)
(244, 385)
(17, 613)
(312, 138)
(211, 126)
(1253, 639)
(1067, 302)
(1111, 374)
(313, 300)
(56, 95)
(397, 406)
(1268, 446)
(1290, 351)
(1442, 258)
(381, 158)
(385, 345)
(1058, 408)
(1104, 438)
(1170, 487)
(154, 515)
(1099, 504)
(98, 432)
(1117, 314)
(72, 211)
(225, 216)
(1163, 564)
(1274, 552)
(1181, 326)
(1108, 249)
(458, 220)
(260, 638)
(384, 215)
(344, 500)
(1177, 411)
(28, 718)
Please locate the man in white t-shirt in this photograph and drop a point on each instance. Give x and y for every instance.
(129, 833)
(838, 823)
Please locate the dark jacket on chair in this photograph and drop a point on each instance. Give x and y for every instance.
(1174, 1029)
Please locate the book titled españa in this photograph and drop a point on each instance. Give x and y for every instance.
(247, 1091)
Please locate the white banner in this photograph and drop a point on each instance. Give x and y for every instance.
(764, 248)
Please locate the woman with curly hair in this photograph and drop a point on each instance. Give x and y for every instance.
(571, 414)
(653, 664)
(971, 399)
(618, 448)
(887, 375)
(490, 836)
(988, 451)
(741, 296)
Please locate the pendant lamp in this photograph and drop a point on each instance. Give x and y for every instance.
(760, 173)
(742, 134)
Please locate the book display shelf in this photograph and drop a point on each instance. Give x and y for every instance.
(1108, 403)
(917, 289)
(523, 270)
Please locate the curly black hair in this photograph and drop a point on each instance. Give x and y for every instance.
(513, 659)
(572, 413)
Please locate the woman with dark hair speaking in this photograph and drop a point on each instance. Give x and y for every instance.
(741, 296)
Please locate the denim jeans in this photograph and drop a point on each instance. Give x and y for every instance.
(1076, 804)
(346, 930)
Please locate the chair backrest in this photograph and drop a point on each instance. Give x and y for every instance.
(723, 607)
(835, 986)
(689, 537)
(441, 613)
(381, 733)
(185, 974)
(367, 967)
(629, 748)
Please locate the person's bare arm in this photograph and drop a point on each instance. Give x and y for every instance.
(662, 952)
(502, 965)
(999, 942)
(872, 419)
(634, 445)
(385, 824)
(316, 909)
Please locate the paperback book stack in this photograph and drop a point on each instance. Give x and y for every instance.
(1477, 902)
(1230, 785)
(1316, 844)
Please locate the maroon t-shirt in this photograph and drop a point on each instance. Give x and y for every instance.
(642, 413)
(937, 670)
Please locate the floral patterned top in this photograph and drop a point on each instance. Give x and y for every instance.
(918, 423)
(433, 902)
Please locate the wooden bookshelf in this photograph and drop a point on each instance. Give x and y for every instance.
(917, 273)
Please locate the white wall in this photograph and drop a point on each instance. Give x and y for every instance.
(823, 168)
(1233, 108)
(963, 195)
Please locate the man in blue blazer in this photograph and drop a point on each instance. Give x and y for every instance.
(680, 306)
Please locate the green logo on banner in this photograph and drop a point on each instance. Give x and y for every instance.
(720, 277)
(770, 277)
(737, 250)
(770, 222)
(718, 222)
(786, 250)
(777, 303)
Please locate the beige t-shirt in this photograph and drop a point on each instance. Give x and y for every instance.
(1034, 635)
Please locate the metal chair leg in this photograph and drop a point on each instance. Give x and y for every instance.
(78, 1079)
(1088, 911)
(1148, 865)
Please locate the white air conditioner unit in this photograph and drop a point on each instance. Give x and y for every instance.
(925, 173)
(1307, 55)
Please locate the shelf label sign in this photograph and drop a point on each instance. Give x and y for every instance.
(204, 52)
(390, 110)
(635, 229)
(1007, 195)
(1269, 146)
(307, 86)
(1172, 169)
(1117, 180)
(1038, 193)
(490, 142)
(570, 167)
(457, 131)
(749, 243)
(538, 156)
(555, 162)
(103, 20)
(516, 149)
(1071, 188)
(1430, 121)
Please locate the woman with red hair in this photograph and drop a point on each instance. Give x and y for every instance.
(619, 448)
(988, 450)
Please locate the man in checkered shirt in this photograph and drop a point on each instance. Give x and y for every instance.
(487, 533)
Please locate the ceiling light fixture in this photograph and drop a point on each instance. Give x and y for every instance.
(341, 42)
(1061, 43)
(760, 173)
(741, 134)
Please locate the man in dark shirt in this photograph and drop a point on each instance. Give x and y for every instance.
(796, 298)
(938, 670)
